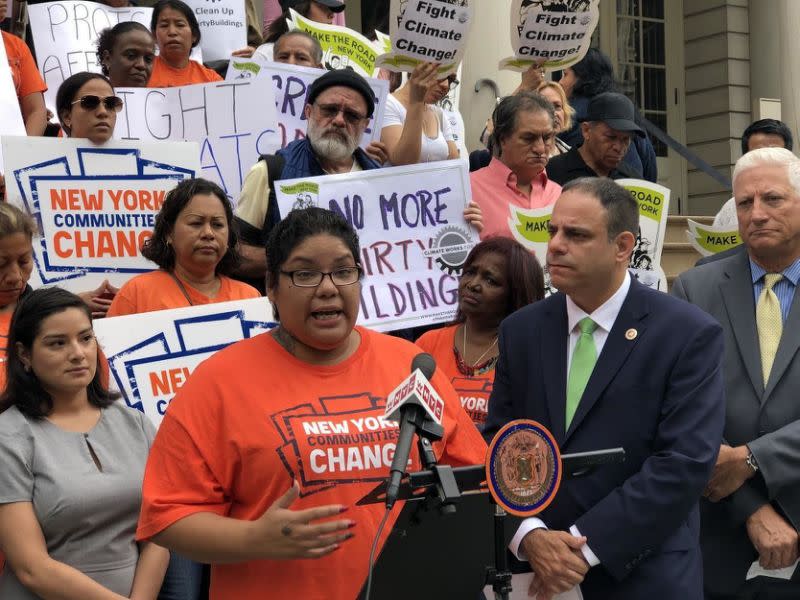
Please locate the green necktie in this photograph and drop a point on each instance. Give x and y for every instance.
(583, 359)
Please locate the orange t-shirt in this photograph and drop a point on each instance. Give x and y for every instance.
(474, 390)
(157, 290)
(165, 76)
(252, 418)
(24, 71)
(5, 324)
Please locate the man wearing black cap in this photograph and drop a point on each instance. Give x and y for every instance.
(339, 106)
(607, 134)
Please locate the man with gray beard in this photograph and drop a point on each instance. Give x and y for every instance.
(338, 110)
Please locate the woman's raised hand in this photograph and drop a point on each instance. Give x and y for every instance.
(423, 78)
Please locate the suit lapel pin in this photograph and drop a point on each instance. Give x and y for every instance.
(631, 334)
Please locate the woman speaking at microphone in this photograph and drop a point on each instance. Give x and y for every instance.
(268, 446)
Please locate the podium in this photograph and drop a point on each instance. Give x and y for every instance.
(436, 554)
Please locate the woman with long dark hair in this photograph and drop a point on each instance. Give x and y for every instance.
(73, 461)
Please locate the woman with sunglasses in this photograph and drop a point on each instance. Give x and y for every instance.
(87, 108)
(177, 32)
(414, 130)
(194, 246)
(73, 460)
(237, 475)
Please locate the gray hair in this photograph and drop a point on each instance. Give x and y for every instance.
(316, 48)
(770, 157)
(504, 117)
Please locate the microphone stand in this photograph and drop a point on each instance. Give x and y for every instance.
(499, 577)
(445, 484)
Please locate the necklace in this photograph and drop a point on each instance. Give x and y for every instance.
(464, 349)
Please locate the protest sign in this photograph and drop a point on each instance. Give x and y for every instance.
(65, 35)
(94, 205)
(427, 31)
(556, 33)
(342, 48)
(414, 239)
(151, 355)
(223, 27)
(531, 229)
(653, 202)
(11, 123)
(233, 121)
(290, 86)
(708, 240)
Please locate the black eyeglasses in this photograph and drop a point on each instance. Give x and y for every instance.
(330, 111)
(91, 102)
(310, 278)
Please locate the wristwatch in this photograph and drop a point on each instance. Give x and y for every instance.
(751, 462)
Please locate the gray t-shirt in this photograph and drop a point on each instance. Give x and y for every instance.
(87, 514)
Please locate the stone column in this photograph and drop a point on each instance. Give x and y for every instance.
(488, 43)
(788, 61)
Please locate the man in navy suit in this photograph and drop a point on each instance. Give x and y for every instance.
(626, 531)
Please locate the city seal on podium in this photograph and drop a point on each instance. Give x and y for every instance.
(523, 468)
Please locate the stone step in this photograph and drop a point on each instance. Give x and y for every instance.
(677, 227)
(678, 257)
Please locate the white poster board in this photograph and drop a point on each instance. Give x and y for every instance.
(427, 31)
(65, 36)
(223, 27)
(342, 48)
(94, 205)
(556, 33)
(413, 236)
(653, 201)
(11, 123)
(151, 355)
(233, 122)
(708, 239)
(290, 86)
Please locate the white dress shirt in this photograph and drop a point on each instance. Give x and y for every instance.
(604, 316)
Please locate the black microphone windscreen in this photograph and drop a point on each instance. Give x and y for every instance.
(425, 363)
